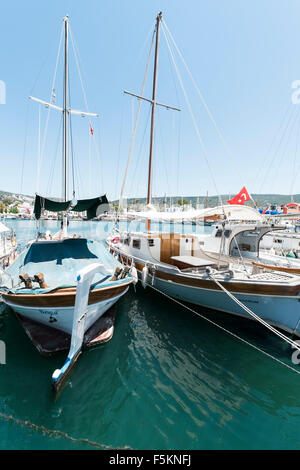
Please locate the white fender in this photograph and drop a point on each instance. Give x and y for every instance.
(134, 274)
(153, 275)
(144, 276)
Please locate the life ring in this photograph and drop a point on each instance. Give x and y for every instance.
(115, 240)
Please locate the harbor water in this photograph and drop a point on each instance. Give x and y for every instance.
(167, 380)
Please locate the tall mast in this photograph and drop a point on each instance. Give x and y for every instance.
(66, 114)
(149, 194)
(154, 103)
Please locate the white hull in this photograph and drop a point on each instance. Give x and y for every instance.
(61, 318)
(281, 312)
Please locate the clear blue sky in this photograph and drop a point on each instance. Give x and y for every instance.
(244, 56)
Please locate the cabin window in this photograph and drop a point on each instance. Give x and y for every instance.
(245, 247)
(126, 241)
(227, 233)
(219, 233)
(277, 240)
(136, 244)
(151, 242)
(201, 243)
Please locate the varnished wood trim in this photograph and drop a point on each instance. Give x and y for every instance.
(63, 297)
(237, 287)
(286, 269)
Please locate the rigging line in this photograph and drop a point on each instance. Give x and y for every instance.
(296, 174)
(178, 154)
(134, 179)
(294, 162)
(78, 178)
(24, 148)
(136, 122)
(72, 156)
(119, 150)
(80, 186)
(52, 88)
(229, 153)
(275, 135)
(51, 175)
(225, 330)
(70, 130)
(90, 166)
(193, 117)
(77, 59)
(287, 142)
(179, 121)
(76, 55)
(277, 150)
(26, 125)
(256, 317)
(98, 153)
(39, 150)
(163, 150)
(143, 47)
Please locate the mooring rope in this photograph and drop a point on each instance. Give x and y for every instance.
(256, 317)
(57, 433)
(225, 329)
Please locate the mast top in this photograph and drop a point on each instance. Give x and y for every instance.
(66, 19)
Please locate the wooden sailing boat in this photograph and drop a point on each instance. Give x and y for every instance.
(65, 282)
(177, 266)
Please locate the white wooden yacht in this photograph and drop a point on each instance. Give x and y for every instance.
(177, 265)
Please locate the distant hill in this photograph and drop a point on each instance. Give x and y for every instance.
(261, 200)
(14, 195)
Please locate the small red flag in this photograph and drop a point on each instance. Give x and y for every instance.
(241, 197)
(92, 130)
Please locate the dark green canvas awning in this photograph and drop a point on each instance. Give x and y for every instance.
(93, 207)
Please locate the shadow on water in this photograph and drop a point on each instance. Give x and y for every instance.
(166, 380)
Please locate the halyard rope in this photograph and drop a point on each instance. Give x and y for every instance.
(196, 127)
(211, 117)
(135, 125)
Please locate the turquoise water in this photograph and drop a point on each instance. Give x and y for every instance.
(166, 380)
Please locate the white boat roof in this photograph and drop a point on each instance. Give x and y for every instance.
(232, 212)
(194, 261)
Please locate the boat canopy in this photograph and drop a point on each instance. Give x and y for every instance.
(232, 212)
(59, 261)
(93, 207)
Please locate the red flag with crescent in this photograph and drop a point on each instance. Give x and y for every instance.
(241, 197)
